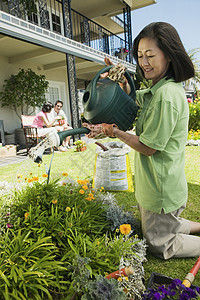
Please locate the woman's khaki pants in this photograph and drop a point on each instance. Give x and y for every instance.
(168, 235)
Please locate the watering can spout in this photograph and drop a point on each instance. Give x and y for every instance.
(53, 139)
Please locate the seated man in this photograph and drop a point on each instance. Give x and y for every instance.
(61, 124)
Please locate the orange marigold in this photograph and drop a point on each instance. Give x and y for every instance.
(54, 201)
(85, 187)
(125, 229)
(26, 215)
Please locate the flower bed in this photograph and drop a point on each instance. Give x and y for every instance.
(193, 138)
(60, 241)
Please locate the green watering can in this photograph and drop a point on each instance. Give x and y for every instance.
(106, 102)
(103, 102)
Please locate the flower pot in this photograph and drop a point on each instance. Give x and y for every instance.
(10, 139)
(122, 55)
(20, 137)
(81, 149)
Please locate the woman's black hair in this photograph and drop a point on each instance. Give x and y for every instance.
(47, 107)
(181, 67)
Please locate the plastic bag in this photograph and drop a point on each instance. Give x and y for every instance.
(112, 168)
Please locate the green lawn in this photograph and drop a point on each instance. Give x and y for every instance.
(81, 165)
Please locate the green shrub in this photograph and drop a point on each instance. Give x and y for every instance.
(27, 267)
(44, 227)
(194, 120)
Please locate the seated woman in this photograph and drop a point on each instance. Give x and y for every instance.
(43, 125)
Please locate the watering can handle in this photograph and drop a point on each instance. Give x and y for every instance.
(128, 77)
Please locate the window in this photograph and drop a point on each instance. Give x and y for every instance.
(56, 23)
(53, 94)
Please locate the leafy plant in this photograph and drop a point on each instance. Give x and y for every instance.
(24, 91)
(103, 289)
(72, 217)
(194, 120)
(27, 267)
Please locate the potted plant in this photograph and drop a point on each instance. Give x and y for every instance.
(122, 53)
(23, 92)
(80, 145)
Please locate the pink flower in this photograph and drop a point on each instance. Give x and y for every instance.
(9, 225)
(126, 50)
(189, 100)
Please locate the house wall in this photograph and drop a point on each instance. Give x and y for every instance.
(56, 77)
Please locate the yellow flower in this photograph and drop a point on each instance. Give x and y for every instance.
(29, 180)
(54, 201)
(64, 174)
(35, 178)
(102, 187)
(39, 165)
(126, 278)
(26, 215)
(19, 176)
(81, 191)
(82, 213)
(119, 279)
(44, 175)
(90, 195)
(85, 187)
(117, 230)
(125, 229)
(68, 208)
(80, 181)
(98, 242)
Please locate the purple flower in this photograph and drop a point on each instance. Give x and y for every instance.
(176, 290)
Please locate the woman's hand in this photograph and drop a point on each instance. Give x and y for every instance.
(124, 85)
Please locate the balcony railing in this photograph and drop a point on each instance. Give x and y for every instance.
(49, 15)
(92, 34)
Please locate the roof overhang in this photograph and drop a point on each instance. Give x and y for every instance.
(135, 4)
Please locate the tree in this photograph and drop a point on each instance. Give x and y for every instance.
(24, 92)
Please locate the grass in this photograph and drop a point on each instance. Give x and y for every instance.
(81, 165)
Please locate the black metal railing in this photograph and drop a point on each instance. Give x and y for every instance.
(51, 17)
(92, 34)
